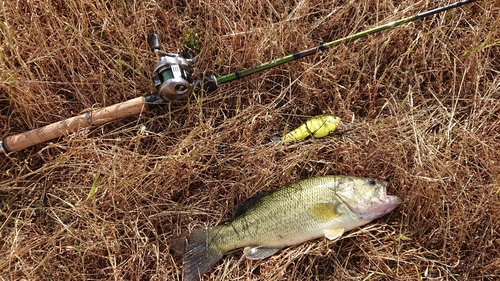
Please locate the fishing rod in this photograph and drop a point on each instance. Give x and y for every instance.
(173, 80)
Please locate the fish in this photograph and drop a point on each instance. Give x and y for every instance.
(317, 127)
(323, 206)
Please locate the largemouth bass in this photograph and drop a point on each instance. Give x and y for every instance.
(307, 209)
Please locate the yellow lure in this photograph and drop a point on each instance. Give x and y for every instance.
(317, 127)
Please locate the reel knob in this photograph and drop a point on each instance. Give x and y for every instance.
(154, 42)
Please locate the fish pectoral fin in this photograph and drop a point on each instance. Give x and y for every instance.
(259, 252)
(323, 212)
(333, 233)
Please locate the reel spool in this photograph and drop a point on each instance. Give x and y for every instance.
(172, 77)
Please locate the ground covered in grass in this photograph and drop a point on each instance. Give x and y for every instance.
(421, 105)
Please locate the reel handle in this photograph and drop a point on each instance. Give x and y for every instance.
(154, 42)
(97, 117)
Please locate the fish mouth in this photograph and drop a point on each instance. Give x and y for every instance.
(374, 209)
(389, 199)
(391, 202)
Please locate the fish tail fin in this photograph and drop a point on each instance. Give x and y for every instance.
(199, 254)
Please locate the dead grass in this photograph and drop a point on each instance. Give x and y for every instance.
(422, 101)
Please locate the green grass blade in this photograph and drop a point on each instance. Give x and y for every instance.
(94, 186)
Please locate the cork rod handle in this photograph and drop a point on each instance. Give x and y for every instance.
(97, 117)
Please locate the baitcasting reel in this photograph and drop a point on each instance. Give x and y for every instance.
(172, 74)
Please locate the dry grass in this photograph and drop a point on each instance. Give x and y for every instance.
(423, 101)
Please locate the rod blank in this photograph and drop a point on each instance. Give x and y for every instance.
(322, 47)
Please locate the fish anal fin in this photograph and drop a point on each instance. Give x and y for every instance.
(259, 252)
(323, 212)
(333, 233)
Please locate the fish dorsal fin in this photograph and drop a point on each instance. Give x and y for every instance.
(249, 203)
(333, 233)
(259, 252)
(323, 212)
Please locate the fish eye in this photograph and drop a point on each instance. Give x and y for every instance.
(371, 181)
